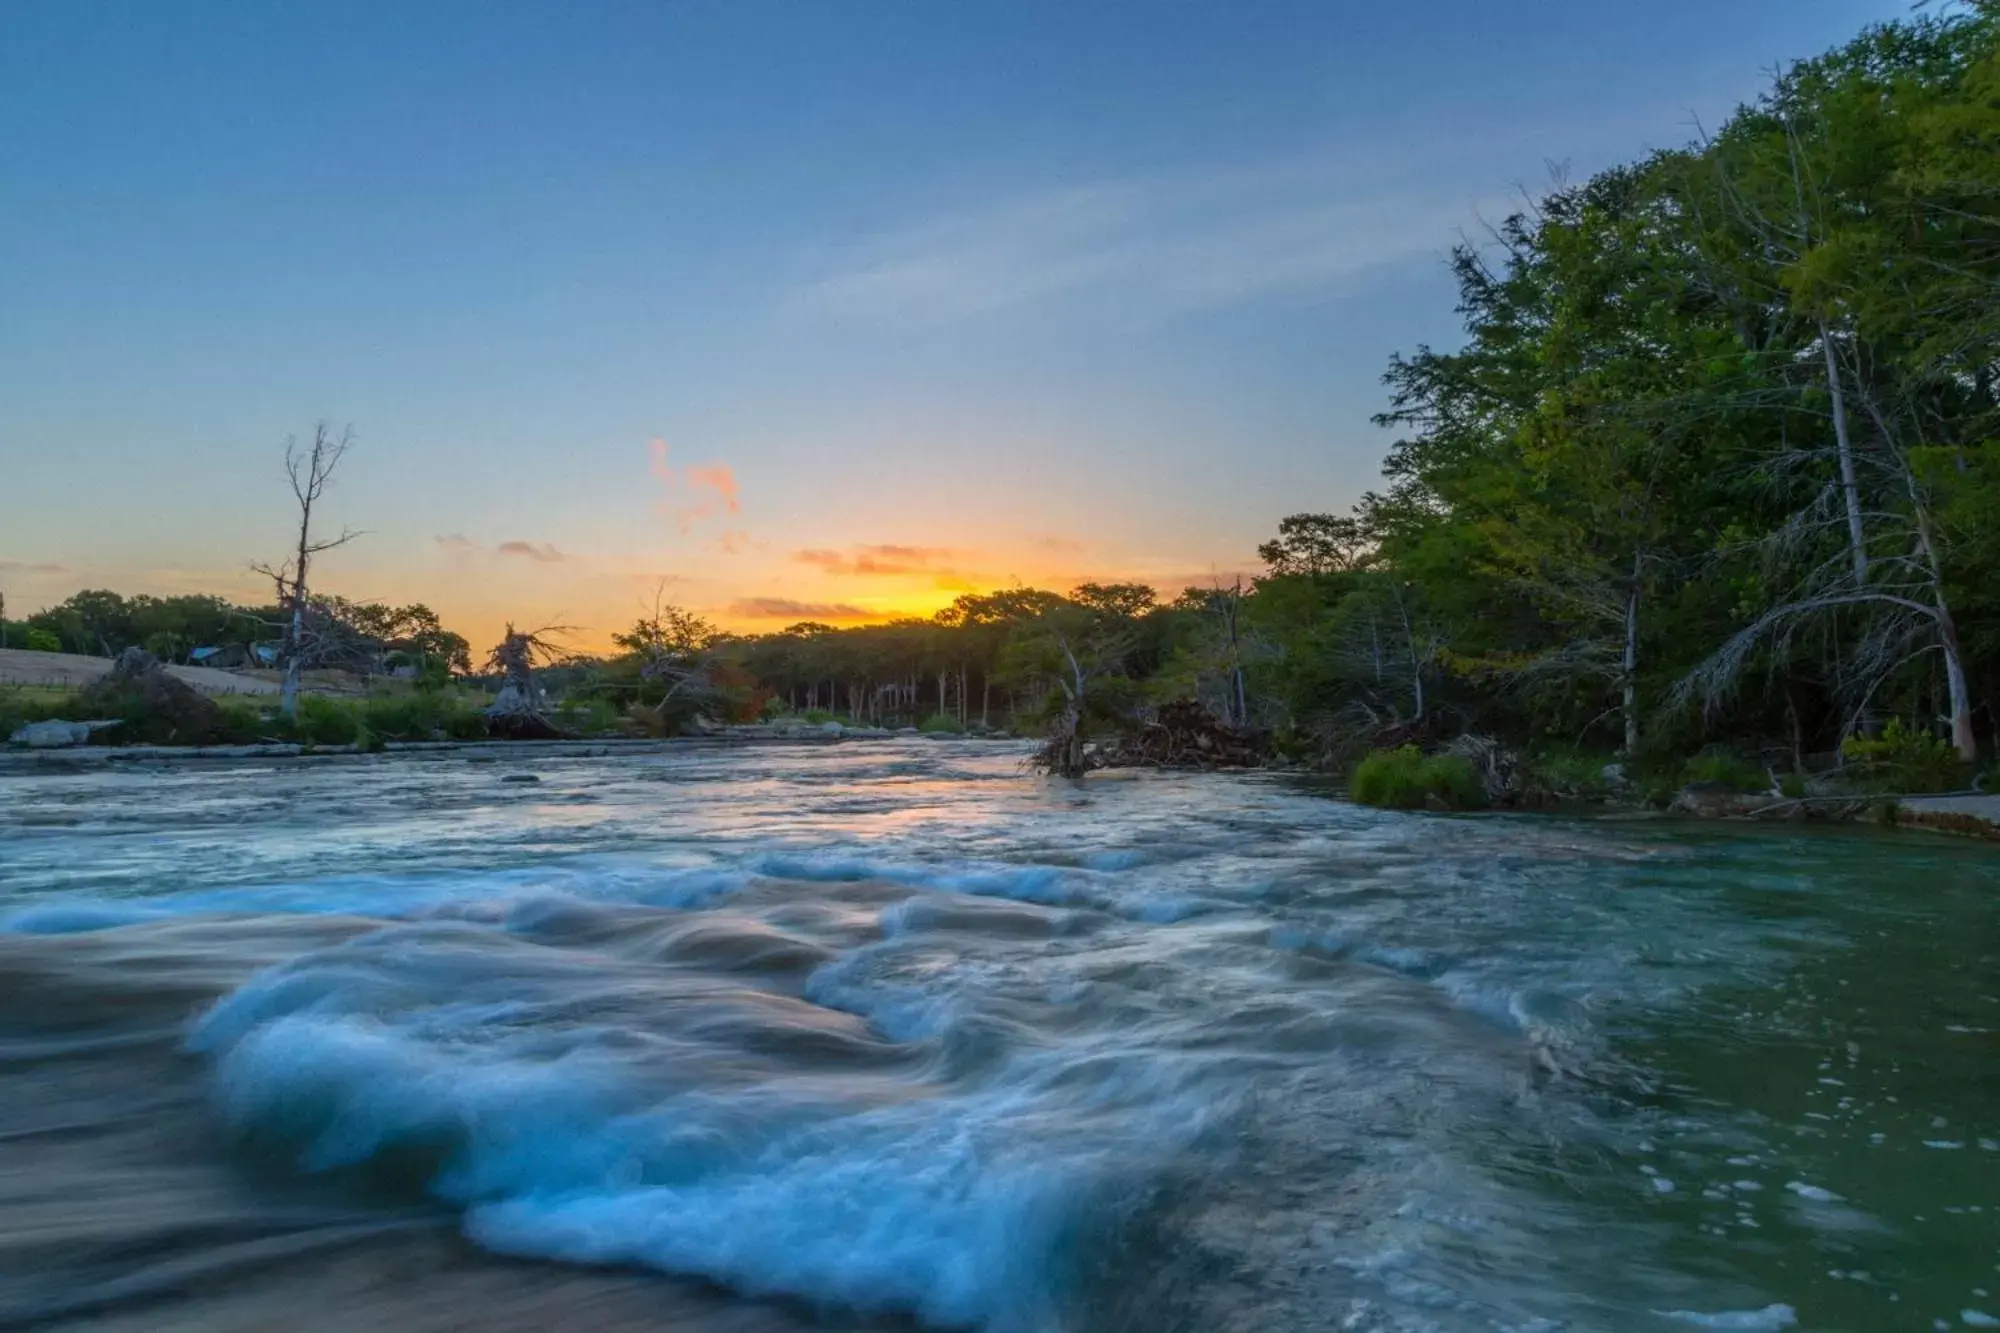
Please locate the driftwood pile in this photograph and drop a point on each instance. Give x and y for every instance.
(1183, 734)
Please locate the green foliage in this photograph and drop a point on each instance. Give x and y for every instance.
(1571, 774)
(245, 722)
(587, 717)
(421, 716)
(1903, 759)
(1407, 779)
(19, 707)
(1792, 785)
(324, 721)
(42, 641)
(1728, 769)
(939, 724)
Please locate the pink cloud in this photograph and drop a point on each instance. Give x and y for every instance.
(691, 494)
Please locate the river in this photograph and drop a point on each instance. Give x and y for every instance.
(891, 1035)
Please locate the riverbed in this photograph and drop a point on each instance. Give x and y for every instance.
(896, 1035)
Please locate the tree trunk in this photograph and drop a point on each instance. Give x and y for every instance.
(1629, 667)
(1850, 486)
(985, 699)
(1416, 659)
(288, 695)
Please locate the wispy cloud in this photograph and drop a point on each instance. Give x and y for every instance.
(31, 567)
(785, 608)
(1060, 545)
(456, 541)
(689, 495)
(1294, 230)
(735, 542)
(543, 552)
(878, 559)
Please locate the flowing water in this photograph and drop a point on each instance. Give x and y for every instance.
(891, 1035)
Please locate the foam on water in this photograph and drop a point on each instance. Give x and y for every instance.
(575, 1110)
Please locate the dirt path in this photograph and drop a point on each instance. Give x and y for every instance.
(18, 666)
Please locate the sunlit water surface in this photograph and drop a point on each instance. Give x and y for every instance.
(875, 1035)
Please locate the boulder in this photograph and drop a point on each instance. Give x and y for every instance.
(53, 735)
(833, 729)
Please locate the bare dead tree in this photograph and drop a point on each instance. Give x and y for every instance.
(310, 469)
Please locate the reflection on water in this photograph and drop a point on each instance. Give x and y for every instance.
(868, 1034)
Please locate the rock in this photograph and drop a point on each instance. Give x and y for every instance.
(1613, 776)
(520, 777)
(833, 729)
(52, 735)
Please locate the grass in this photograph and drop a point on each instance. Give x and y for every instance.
(22, 704)
(940, 724)
(1407, 779)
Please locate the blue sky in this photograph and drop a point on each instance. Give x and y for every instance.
(1028, 291)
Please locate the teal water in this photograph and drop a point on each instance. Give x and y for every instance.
(874, 1033)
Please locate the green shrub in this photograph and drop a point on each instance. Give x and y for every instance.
(1570, 773)
(42, 641)
(940, 724)
(1792, 785)
(816, 716)
(1658, 792)
(244, 722)
(1906, 760)
(423, 716)
(324, 721)
(1729, 769)
(587, 717)
(1406, 779)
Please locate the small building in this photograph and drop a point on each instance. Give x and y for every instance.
(232, 656)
